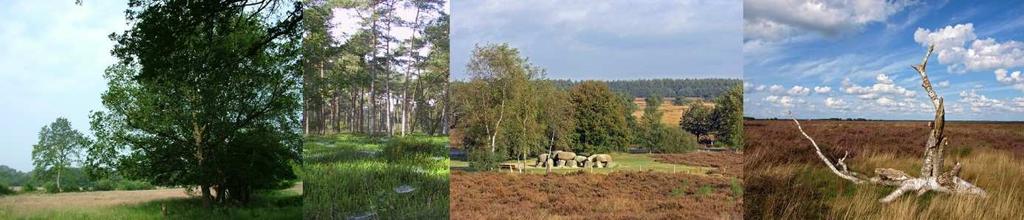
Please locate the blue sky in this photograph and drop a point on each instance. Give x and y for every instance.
(853, 59)
(52, 57)
(579, 39)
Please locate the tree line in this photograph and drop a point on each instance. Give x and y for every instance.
(507, 109)
(371, 80)
(703, 88)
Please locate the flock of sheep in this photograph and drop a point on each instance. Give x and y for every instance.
(570, 159)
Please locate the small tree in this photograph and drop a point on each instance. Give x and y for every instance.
(727, 117)
(59, 146)
(697, 120)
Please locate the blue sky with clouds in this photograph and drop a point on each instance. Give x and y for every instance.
(582, 39)
(852, 58)
(52, 57)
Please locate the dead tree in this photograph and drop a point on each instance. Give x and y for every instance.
(932, 178)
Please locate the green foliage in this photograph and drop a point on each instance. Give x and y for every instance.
(59, 146)
(52, 187)
(134, 185)
(728, 117)
(600, 118)
(675, 140)
(402, 147)
(28, 187)
(103, 185)
(697, 120)
(703, 88)
(704, 190)
(737, 188)
(483, 160)
(203, 96)
(13, 177)
(681, 190)
(5, 190)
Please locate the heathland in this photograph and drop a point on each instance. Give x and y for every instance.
(785, 179)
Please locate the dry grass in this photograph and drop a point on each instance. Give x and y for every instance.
(785, 181)
(30, 203)
(671, 114)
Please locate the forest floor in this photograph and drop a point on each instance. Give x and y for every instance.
(637, 186)
(785, 179)
(145, 204)
(354, 176)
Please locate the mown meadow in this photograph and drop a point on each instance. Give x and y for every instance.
(350, 176)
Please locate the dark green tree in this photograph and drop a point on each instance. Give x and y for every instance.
(207, 92)
(697, 120)
(600, 118)
(59, 147)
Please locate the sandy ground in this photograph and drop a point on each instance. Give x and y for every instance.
(45, 201)
(670, 114)
(26, 203)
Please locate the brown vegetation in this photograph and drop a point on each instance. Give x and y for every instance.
(727, 163)
(618, 195)
(85, 200)
(785, 179)
(670, 113)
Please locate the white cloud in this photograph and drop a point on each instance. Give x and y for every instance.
(1014, 78)
(981, 103)
(822, 89)
(759, 88)
(884, 86)
(979, 54)
(776, 89)
(835, 103)
(798, 91)
(784, 101)
(943, 84)
(772, 20)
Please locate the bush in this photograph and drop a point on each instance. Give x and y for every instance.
(28, 187)
(5, 190)
(675, 140)
(103, 185)
(134, 185)
(483, 160)
(51, 187)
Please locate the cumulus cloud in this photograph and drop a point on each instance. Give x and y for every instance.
(981, 103)
(759, 88)
(798, 91)
(960, 48)
(822, 89)
(883, 87)
(835, 103)
(776, 89)
(772, 20)
(943, 84)
(1015, 78)
(784, 101)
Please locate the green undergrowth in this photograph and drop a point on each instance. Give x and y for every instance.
(349, 175)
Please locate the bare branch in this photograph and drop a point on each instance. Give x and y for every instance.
(825, 159)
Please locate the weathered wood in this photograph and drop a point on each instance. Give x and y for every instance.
(932, 178)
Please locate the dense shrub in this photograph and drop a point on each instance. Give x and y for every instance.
(103, 185)
(134, 185)
(51, 187)
(482, 160)
(5, 190)
(675, 140)
(28, 187)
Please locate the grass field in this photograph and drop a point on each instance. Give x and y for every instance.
(670, 186)
(351, 176)
(146, 204)
(784, 179)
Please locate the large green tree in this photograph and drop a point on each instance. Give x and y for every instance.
(728, 117)
(207, 93)
(600, 118)
(59, 147)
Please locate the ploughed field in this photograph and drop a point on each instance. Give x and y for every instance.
(671, 186)
(350, 176)
(785, 178)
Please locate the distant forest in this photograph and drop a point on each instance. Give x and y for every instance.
(704, 88)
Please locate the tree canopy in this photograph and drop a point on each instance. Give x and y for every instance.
(203, 94)
(59, 147)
